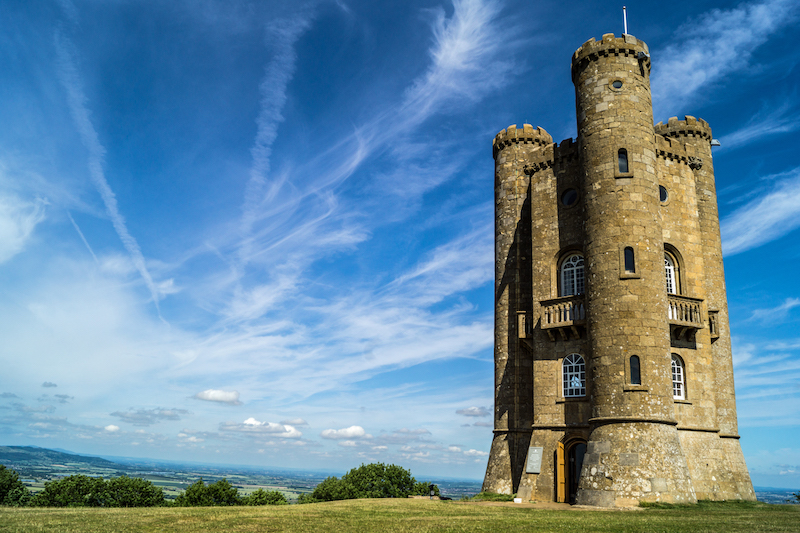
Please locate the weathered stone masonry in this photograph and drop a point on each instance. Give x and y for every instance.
(612, 351)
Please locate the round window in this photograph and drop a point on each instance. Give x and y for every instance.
(617, 84)
(662, 193)
(569, 197)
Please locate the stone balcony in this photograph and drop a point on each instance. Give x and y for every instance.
(564, 316)
(685, 315)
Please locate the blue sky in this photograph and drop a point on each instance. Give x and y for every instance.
(262, 232)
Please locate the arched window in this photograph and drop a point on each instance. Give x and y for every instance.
(572, 279)
(630, 261)
(574, 374)
(671, 269)
(622, 156)
(636, 374)
(678, 378)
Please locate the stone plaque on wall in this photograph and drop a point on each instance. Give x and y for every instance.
(534, 465)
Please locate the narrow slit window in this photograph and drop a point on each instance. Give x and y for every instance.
(636, 374)
(622, 156)
(630, 262)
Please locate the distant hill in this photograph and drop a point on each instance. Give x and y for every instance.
(27, 458)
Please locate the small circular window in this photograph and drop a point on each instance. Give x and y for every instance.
(569, 197)
(617, 84)
(663, 195)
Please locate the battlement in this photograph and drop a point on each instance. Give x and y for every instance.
(592, 50)
(525, 135)
(689, 127)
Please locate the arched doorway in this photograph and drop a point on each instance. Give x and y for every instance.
(575, 453)
(570, 461)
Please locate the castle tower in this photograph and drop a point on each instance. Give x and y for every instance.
(613, 373)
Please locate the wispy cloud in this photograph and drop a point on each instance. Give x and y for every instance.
(712, 46)
(71, 80)
(776, 314)
(782, 119)
(474, 411)
(148, 417)
(764, 218)
(18, 219)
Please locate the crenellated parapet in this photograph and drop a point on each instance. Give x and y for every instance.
(525, 135)
(609, 45)
(551, 155)
(688, 127)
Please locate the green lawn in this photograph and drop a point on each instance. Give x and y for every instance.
(387, 516)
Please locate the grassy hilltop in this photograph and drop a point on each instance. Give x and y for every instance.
(396, 515)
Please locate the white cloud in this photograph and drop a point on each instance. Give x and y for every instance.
(476, 453)
(18, 219)
(474, 411)
(295, 422)
(253, 426)
(112, 428)
(346, 433)
(765, 218)
(221, 396)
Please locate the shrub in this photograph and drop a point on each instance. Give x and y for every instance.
(219, 493)
(375, 480)
(307, 498)
(12, 491)
(265, 497)
(131, 492)
(71, 491)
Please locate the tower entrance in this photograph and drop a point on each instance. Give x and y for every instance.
(569, 463)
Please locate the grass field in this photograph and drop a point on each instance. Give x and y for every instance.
(388, 516)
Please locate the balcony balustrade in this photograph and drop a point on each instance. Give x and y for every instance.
(564, 315)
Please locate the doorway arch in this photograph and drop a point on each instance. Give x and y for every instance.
(570, 461)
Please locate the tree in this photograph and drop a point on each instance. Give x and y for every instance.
(199, 494)
(12, 491)
(265, 497)
(71, 491)
(375, 480)
(124, 491)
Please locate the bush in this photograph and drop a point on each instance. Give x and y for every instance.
(375, 480)
(12, 491)
(219, 493)
(131, 492)
(71, 491)
(307, 498)
(265, 497)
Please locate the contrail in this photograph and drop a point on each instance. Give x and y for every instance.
(70, 79)
(83, 238)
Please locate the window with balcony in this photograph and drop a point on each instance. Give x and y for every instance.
(678, 378)
(571, 275)
(671, 270)
(574, 376)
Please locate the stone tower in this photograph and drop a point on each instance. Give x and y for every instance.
(613, 370)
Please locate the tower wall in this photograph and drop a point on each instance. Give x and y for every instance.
(715, 456)
(634, 452)
(513, 417)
